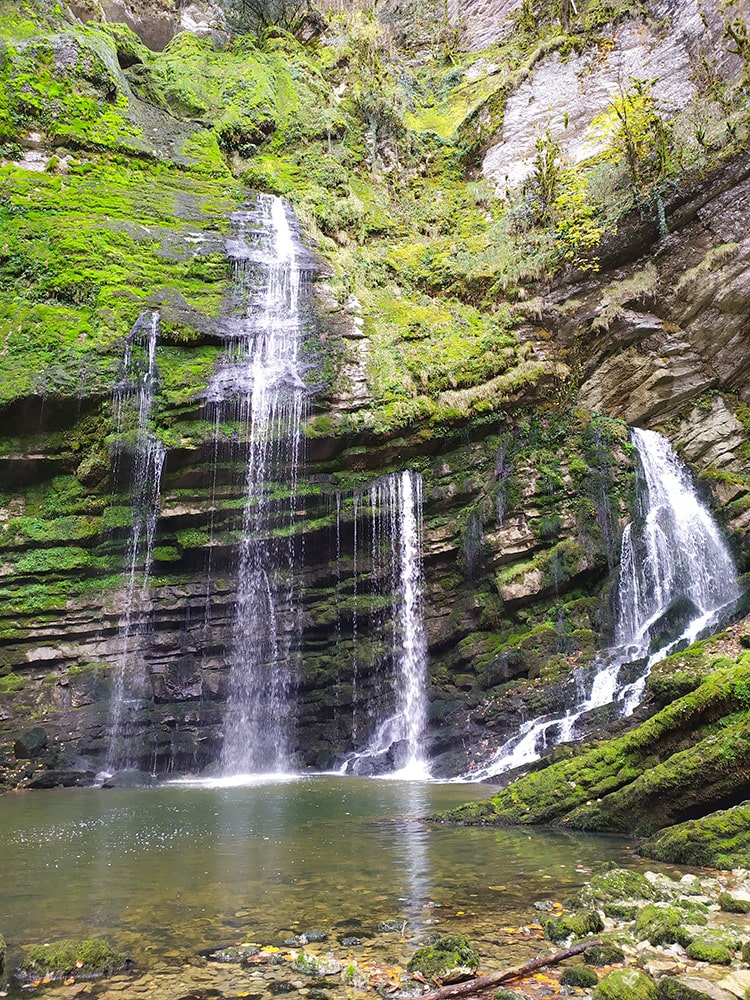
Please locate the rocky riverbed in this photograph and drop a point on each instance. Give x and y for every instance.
(685, 937)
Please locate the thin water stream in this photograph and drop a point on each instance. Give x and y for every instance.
(166, 872)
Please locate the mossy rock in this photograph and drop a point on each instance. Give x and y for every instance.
(68, 958)
(603, 954)
(730, 904)
(746, 952)
(626, 984)
(449, 959)
(579, 975)
(621, 911)
(719, 840)
(662, 925)
(576, 925)
(504, 994)
(690, 988)
(3, 951)
(614, 885)
(707, 951)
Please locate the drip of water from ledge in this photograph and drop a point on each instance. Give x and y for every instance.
(395, 746)
(677, 577)
(139, 448)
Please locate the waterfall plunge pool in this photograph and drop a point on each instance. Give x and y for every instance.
(167, 872)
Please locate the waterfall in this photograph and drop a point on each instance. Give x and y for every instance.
(264, 380)
(398, 729)
(132, 404)
(676, 578)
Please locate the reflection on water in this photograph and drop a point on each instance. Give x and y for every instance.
(166, 872)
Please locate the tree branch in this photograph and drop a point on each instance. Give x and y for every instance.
(482, 983)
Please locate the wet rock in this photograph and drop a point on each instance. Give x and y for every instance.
(603, 954)
(69, 959)
(662, 925)
(574, 925)
(626, 984)
(305, 937)
(611, 885)
(450, 959)
(53, 778)
(232, 953)
(280, 986)
(30, 744)
(545, 905)
(579, 975)
(737, 982)
(732, 904)
(3, 951)
(691, 988)
(350, 942)
(129, 779)
(391, 927)
(315, 965)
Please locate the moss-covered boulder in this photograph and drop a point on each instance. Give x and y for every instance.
(715, 945)
(718, 840)
(731, 904)
(662, 925)
(579, 975)
(449, 959)
(626, 984)
(575, 925)
(603, 954)
(72, 959)
(614, 885)
(709, 951)
(691, 988)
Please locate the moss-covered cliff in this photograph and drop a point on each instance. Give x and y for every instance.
(494, 330)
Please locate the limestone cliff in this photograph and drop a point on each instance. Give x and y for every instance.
(505, 277)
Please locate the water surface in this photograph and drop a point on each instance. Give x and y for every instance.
(166, 872)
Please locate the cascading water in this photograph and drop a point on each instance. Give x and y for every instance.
(264, 382)
(397, 741)
(132, 403)
(676, 577)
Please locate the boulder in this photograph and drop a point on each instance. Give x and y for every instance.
(450, 959)
(626, 984)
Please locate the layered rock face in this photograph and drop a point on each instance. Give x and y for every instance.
(522, 445)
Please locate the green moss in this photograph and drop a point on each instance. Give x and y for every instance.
(580, 976)
(575, 925)
(708, 951)
(730, 904)
(78, 959)
(447, 955)
(720, 839)
(620, 786)
(11, 683)
(626, 984)
(661, 925)
(603, 954)
(613, 885)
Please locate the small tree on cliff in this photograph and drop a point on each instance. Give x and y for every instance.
(257, 16)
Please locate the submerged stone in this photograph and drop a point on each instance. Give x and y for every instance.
(450, 959)
(72, 959)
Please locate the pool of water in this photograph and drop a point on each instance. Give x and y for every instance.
(166, 872)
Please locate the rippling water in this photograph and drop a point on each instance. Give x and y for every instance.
(166, 872)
